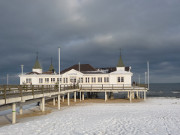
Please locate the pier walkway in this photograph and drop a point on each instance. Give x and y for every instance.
(18, 94)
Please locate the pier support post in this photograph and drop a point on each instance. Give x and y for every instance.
(111, 96)
(40, 105)
(130, 98)
(75, 96)
(13, 113)
(43, 104)
(105, 96)
(132, 95)
(68, 99)
(137, 94)
(63, 98)
(59, 102)
(82, 95)
(54, 102)
(128, 95)
(20, 108)
(144, 95)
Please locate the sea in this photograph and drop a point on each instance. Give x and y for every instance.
(164, 90)
(155, 90)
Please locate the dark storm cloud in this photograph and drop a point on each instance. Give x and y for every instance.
(92, 31)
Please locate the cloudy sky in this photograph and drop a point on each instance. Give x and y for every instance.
(91, 31)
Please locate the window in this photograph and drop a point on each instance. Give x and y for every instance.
(87, 79)
(119, 79)
(122, 79)
(106, 79)
(81, 80)
(64, 80)
(47, 80)
(72, 80)
(52, 80)
(93, 79)
(40, 80)
(99, 79)
(58, 80)
(67, 80)
(28, 80)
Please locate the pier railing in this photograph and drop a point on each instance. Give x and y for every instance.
(10, 91)
(110, 87)
(14, 91)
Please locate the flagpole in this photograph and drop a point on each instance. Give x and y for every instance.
(59, 69)
(148, 73)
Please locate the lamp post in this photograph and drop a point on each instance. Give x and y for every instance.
(22, 69)
(145, 77)
(7, 79)
(59, 83)
(148, 73)
(59, 69)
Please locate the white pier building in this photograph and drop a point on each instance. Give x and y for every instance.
(80, 74)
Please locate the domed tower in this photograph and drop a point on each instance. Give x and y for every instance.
(37, 67)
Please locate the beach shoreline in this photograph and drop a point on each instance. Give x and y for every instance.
(156, 115)
(34, 111)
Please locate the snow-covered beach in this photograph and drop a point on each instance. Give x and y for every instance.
(154, 116)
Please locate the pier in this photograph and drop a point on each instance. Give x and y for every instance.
(17, 94)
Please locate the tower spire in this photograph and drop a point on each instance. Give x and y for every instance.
(120, 51)
(37, 65)
(120, 62)
(51, 60)
(37, 55)
(51, 68)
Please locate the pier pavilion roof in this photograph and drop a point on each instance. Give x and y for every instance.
(83, 68)
(92, 72)
(49, 72)
(112, 69)
(32, 73)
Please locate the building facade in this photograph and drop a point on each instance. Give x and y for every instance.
(80, 74)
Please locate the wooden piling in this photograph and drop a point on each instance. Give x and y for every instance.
(54, 101)
(13, 113)
(68, 100)
(82, 95)
(43, 104)
(20, 109)
(144, 95)
(75, 96)
(59, 106)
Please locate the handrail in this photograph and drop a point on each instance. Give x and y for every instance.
(9, 91)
